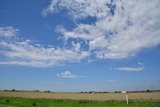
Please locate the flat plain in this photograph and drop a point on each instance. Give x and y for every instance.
(41, 99)
(83, 96)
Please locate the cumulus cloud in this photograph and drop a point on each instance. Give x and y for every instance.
(78, 9)
(67, 74)
(8, 31)
(130, 69)
(26, 53)
(122, 27)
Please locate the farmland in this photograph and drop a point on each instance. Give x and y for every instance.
(39, 99)
(84, 96)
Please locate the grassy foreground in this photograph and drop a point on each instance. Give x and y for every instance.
(29, 102)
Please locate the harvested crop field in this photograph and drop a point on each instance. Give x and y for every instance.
(78, 96)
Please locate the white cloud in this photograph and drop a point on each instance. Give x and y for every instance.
(130, 69)
(27, 53)
(51, 8)
(122, 29)
(67, 74)
(8, 31)
(90, 61)
(78, 8)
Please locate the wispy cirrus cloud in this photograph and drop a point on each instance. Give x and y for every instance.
(8, 31)
(130, 69)
(122, 27)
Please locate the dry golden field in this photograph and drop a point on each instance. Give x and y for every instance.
(77, 96)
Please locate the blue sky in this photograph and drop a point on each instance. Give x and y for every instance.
(79, 45)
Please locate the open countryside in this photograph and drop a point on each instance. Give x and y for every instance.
(43, 99)
(79, 53)
(84, 96)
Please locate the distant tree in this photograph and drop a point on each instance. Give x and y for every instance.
(117, 92)
(13, 90)
(47, 91)
(148, 90)
(35, 90)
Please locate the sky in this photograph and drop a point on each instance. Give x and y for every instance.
(79, 45)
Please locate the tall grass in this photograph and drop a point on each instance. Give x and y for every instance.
(29, 102)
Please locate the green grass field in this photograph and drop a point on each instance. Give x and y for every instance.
(28, 102)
